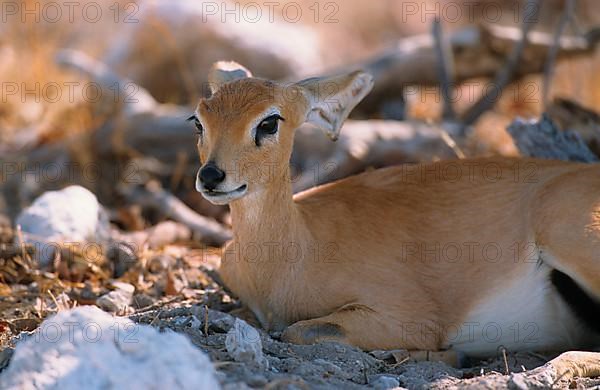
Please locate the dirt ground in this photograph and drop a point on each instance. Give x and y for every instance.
(178, 290)
(333, 365)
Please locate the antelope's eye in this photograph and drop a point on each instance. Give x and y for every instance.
(267, 127)
(199, 128)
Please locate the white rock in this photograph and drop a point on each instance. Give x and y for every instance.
(71, 215)
(384, 382)
(86, 348)
(244, 345)
(118, 299)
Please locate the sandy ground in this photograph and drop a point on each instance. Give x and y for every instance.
(176, 290)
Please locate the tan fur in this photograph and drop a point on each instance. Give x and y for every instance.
(371, 260)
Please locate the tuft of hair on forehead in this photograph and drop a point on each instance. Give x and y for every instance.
(241, 94)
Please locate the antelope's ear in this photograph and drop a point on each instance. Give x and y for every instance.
(331, 99)
(225, 71)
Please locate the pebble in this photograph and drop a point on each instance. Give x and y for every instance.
(118, 299)
(244, 345)
(384, 382)
(123, 256)
(141, 301)
(160, 263)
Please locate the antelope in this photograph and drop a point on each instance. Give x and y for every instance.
(468, 255)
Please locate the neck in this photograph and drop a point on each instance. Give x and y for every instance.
(270, 242)
(268, 216)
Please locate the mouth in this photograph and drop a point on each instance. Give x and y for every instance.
(224, 197)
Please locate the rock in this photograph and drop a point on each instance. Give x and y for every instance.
(257, 380)
(244, 345)
(122, 255)
(72, 215)
(160, 263)
(25, 324)
(218, 322)
(328, 366)
(5, 356)
(85, 348)
(176, 282)
(118, 299)
(238, 386)
(531, 380)
(518, 382)
(384, 382)
(141, 301)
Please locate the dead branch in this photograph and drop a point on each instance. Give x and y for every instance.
(564, 368)
(478, 51)
(565, 19)
(445, 69)
(505, 75)
(100, 73)
(153, 196)
(555, 374)
(363, 144)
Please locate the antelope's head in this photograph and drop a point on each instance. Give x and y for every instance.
(246, 127)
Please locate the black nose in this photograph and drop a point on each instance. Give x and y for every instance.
(211, 176)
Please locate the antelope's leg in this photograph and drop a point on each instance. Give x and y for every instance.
(363, 327)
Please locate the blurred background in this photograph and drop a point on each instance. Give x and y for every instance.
(158, 53)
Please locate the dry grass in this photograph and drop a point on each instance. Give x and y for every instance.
(46, 105)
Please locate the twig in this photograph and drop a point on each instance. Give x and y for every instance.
(156, 317)
(54, 300)
(445, 69)
(447, 138)
(206, 320)
(401, 362)
(506, 370)
(565, 18)
(505, 74)
(24, 252)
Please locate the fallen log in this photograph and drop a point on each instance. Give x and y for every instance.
(557, 373)
(364, 144)
(153, 196)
